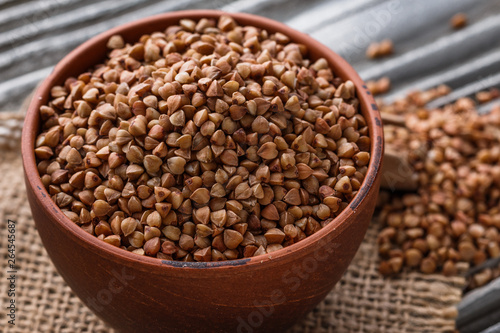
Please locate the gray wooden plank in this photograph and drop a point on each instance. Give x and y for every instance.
(65, 20)
(280, 10)
(477, 71)
(404, 22)
(7, 3)
(481, 322)
(479, 302)
(248, 6)
(329, 12)
(440, 53)
(492, 329)
(23, 13)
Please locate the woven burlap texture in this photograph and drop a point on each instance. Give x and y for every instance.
(362, 301)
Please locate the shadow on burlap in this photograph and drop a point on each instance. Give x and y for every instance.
(363, 301)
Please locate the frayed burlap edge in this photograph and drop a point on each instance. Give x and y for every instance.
(363, 301)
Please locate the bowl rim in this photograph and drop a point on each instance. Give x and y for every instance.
(340, 68)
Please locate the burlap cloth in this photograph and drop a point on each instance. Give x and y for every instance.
(363, 301)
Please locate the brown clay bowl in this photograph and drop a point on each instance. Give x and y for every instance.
(132, 293)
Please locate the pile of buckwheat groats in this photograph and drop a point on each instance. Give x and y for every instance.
(453, 221)
(207, 141)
